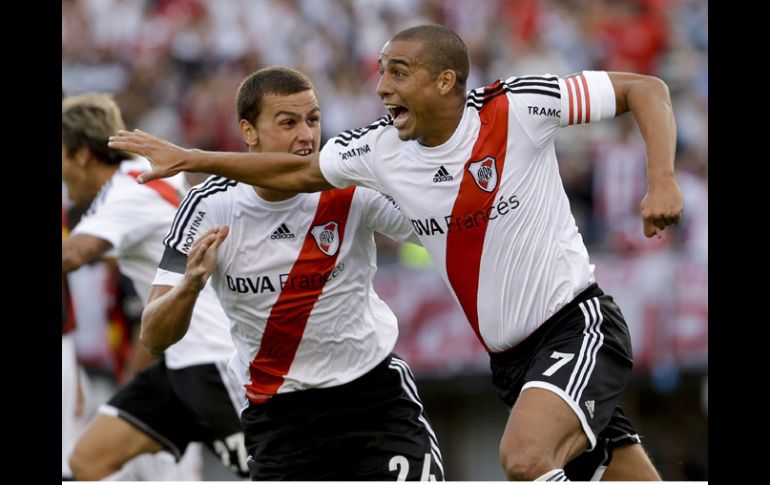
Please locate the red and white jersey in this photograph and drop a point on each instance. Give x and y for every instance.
(489, 204)
(295, 278)
(134, 218)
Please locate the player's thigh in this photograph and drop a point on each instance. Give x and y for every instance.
(543, 425)
(112, 440)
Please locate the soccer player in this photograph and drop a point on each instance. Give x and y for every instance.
(183, 397)
(476, 173)
(324, 396)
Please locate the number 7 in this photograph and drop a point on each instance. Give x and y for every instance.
(564, 358)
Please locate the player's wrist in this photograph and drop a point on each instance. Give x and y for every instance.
(191, 286)
(660, 178)
(194, 160)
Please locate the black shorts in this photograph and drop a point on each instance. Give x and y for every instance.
(582, 354)
(373, 428)
(179, 406)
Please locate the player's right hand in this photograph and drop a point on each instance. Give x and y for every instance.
(166, 158)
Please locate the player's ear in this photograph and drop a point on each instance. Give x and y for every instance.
(83, 157)
(249, 133)
(446, 80)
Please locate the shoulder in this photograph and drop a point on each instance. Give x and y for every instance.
(215, 190)
(207, 202)
(370, 132)
(517, 88)
(119, 190)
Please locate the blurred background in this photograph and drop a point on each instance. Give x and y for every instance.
(174, 66)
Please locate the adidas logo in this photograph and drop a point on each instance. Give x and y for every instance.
(442, 175)
(282, 232)
(590, 407)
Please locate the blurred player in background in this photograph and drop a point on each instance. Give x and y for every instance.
(69, 372)
(184, 396)
(325, 398)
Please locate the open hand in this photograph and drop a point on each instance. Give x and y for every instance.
(166, 158)
(202, 258)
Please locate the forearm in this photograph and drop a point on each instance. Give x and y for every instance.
(80, 249)
(71, 259)
(650, 102)
(139, 359)
(277, 171)
(167, 317)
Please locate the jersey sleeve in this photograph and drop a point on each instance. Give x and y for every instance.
(541, 104)
(193, 218)
(348, 158)
(124, 217)
(384, 216)
(165, 277)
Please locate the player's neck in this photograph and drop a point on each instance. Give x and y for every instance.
(444, 124)
(96, 176)
(100, 174)
(267, 194)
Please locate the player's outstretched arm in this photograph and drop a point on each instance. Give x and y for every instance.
(278, 171)
(169, 309)
(647, 97)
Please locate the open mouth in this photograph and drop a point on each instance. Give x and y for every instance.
(304, 152)
(399, 113)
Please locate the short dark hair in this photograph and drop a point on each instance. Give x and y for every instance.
(88, 121)
(279, 80)
(442, 49)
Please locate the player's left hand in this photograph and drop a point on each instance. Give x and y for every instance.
(202, 258)
(661, 207)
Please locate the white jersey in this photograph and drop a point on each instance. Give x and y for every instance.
(295, 278)
(134, 218)
(488, 204)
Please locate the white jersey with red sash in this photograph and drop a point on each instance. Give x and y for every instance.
(295, 278)
(489, 204)
(134, 218)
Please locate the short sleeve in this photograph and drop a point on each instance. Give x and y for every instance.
(348, 159)
(167, 278)
(125, 217)
(195, 214)
(589, 97)
(541, 104)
